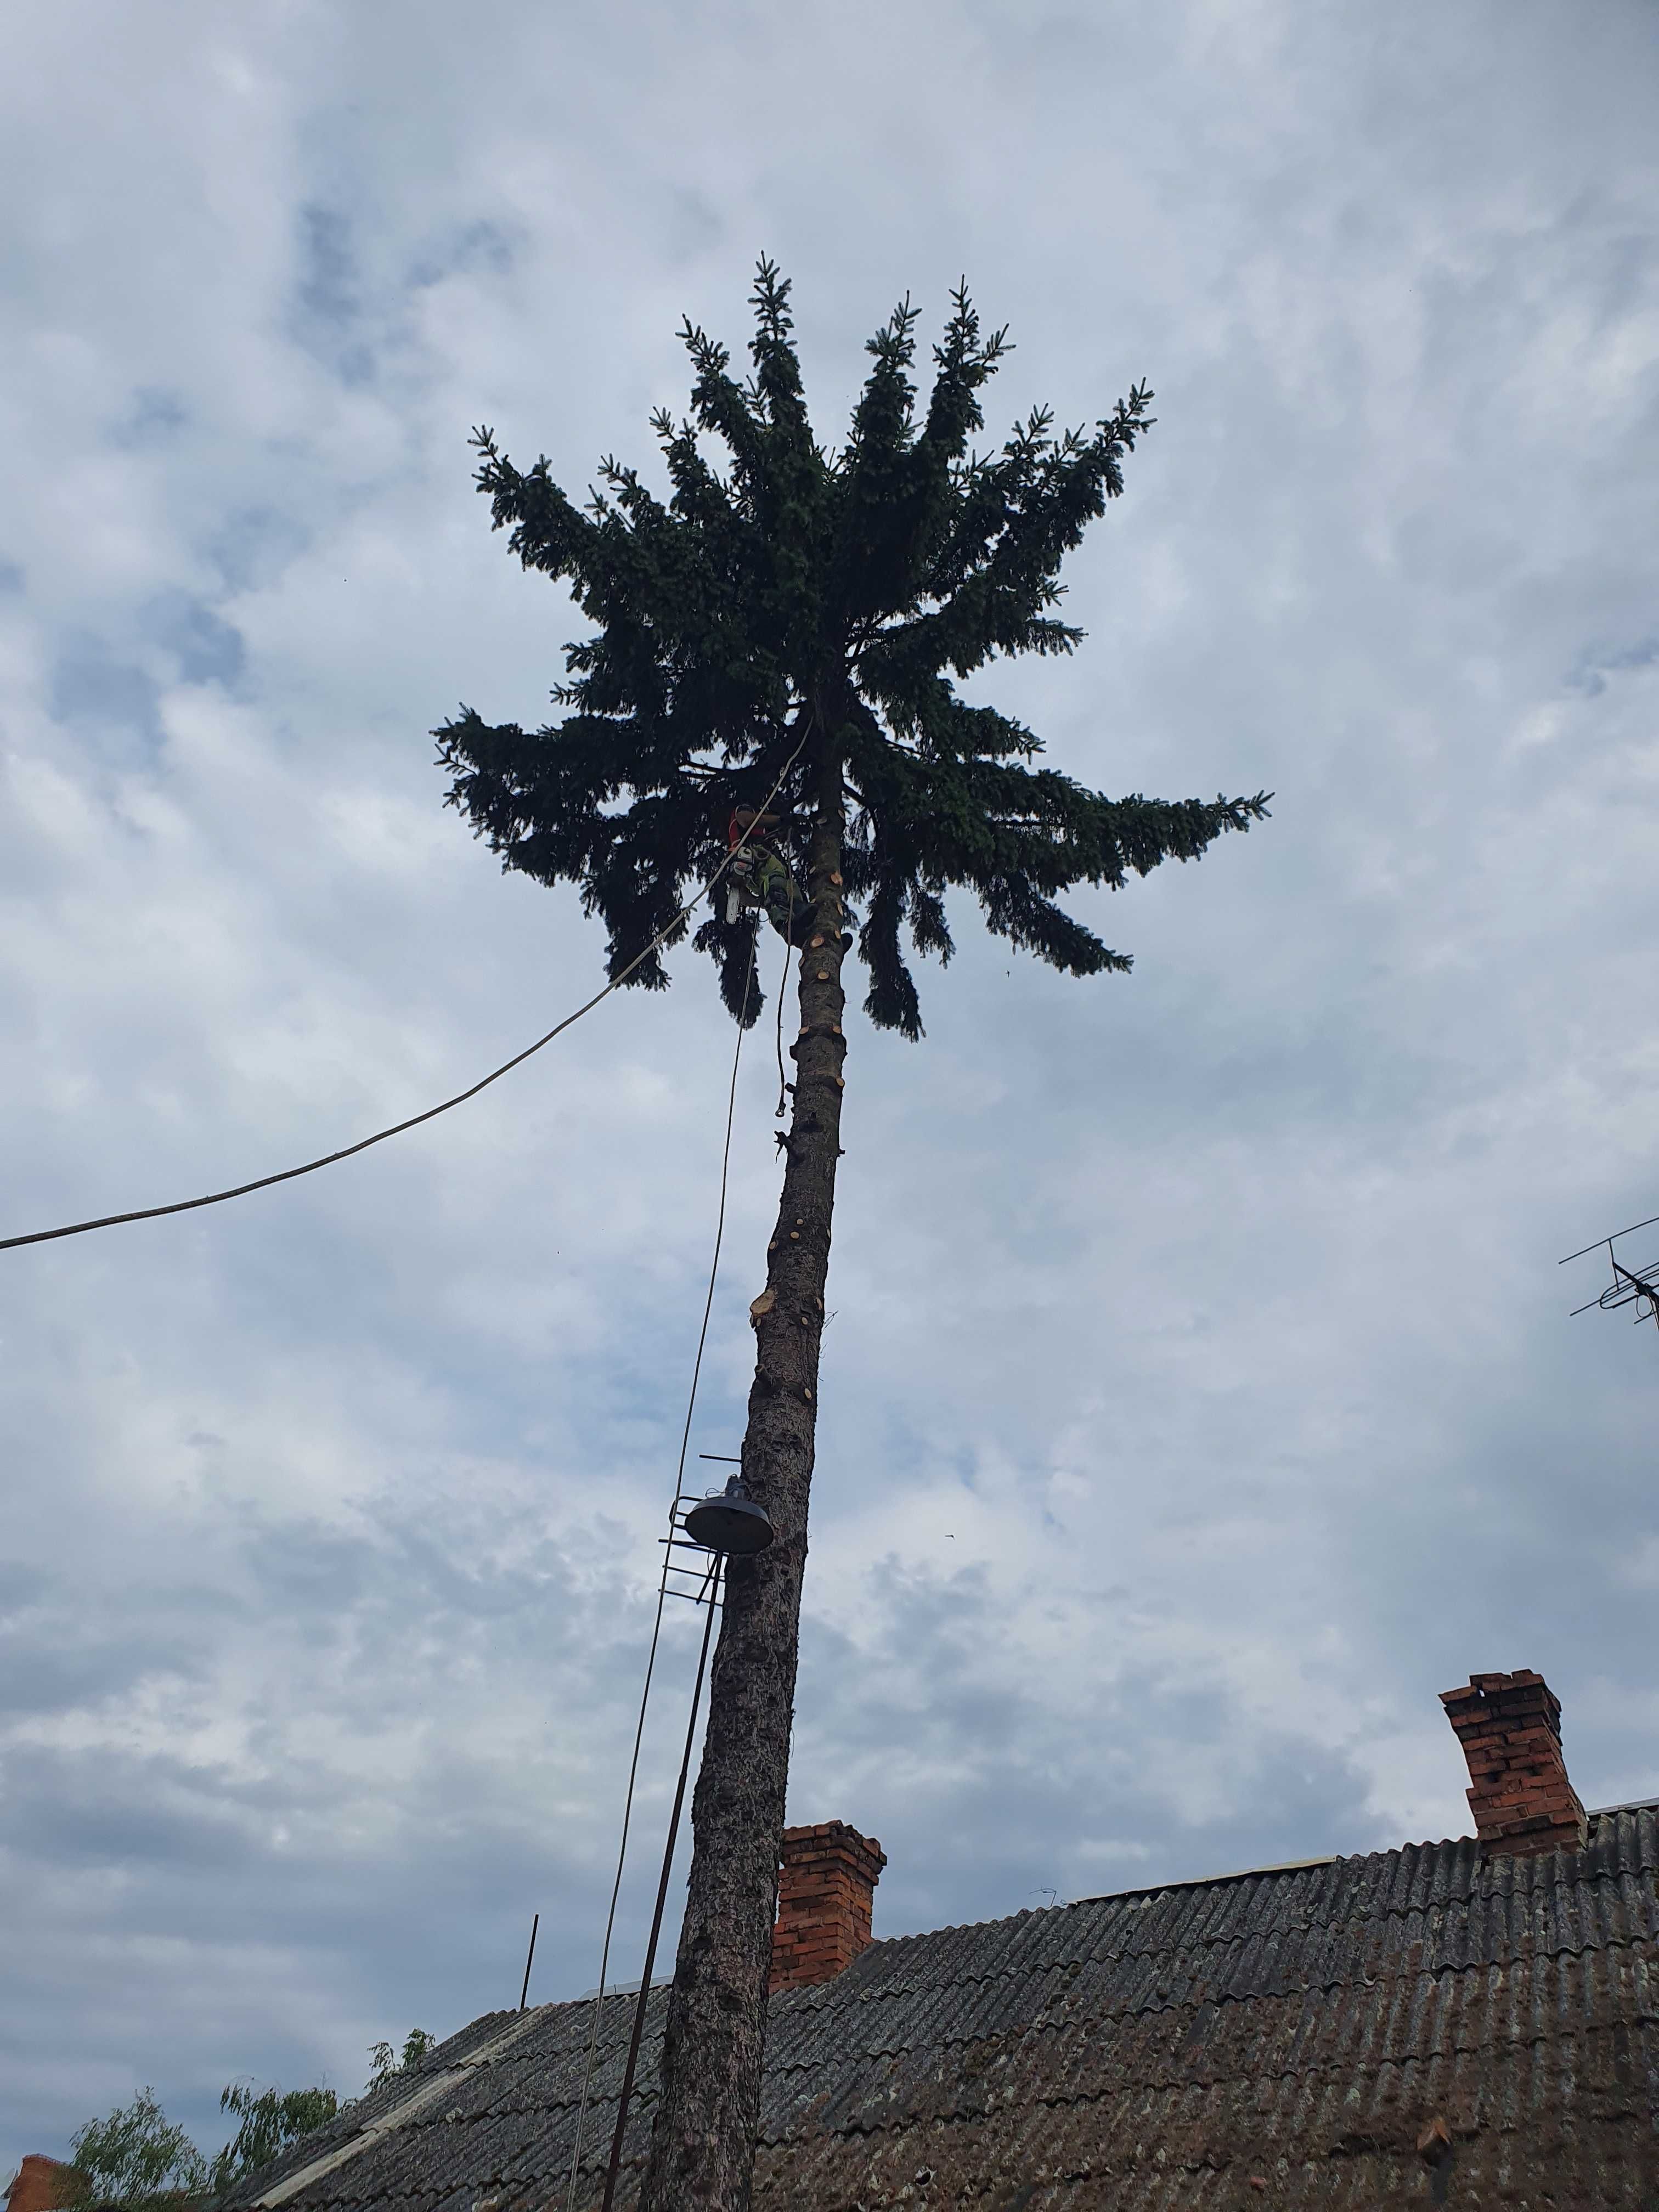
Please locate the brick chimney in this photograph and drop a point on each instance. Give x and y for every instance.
(1510, 1727)
(42, 2185)
(825, 1891)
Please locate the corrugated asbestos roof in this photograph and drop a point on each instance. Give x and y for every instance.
(1163, 2050)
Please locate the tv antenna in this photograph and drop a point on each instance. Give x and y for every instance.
(1637, 1286)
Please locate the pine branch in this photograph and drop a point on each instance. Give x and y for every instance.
(876, 577)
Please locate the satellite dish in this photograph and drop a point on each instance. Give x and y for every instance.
(730, 1521)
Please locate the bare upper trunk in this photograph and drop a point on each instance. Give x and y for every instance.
(702, 2142)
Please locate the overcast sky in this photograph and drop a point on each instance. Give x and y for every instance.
(1201, 1396)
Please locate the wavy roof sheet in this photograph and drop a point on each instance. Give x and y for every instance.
(1278, 2039)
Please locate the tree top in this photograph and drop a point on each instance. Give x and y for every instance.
(837, 594)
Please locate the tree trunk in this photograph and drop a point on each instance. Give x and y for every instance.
(702, 2140)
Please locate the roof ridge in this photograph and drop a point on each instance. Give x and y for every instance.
(424, 2091)
(1240, 1874)
(1486, 1861)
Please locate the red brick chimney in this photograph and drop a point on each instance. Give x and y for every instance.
(42, 2185)
(825, 1895)
(1510, 1727)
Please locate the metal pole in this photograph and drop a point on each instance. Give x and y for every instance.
(615, 2167)
(535, 1923)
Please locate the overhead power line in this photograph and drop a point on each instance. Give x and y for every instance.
(347, 1151)
(328, 1159)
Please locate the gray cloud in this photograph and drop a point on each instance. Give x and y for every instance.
(93, 685)
(153, 417)
(329, 310)
(250, 548)
(206, 649)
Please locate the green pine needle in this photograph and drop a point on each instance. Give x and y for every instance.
(877, 575)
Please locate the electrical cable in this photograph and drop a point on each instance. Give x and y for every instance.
(779, 1111)
(346, 1151)
(712, 1588)
(720, 1227)
(656, 1630)
(611, 1917)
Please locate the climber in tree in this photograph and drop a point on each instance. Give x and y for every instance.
(758, 878)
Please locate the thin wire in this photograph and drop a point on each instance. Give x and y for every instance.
(637, 2033)
(287, 1175)
(616, 1887)
(662, 1593)
(720, 1221)
(783, 988)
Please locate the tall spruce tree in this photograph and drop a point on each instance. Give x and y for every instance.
(814, 606)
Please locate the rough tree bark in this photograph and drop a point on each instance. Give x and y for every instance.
(702, 2142)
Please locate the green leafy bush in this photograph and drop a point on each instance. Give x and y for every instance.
(139, 2161)
(137, 2156)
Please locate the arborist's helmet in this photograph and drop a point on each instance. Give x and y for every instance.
(745, 817)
